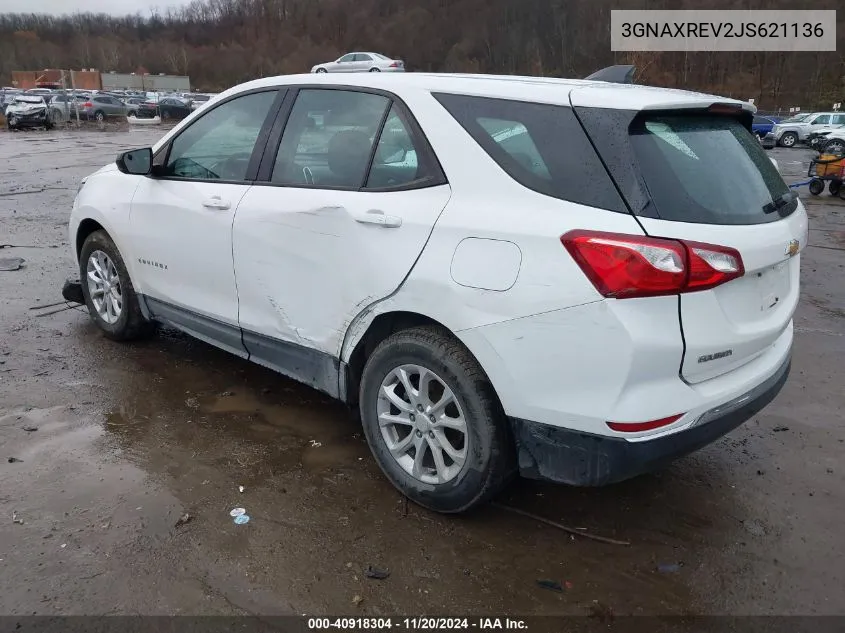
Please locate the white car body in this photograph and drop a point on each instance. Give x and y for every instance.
(361, 63)
(480, 254)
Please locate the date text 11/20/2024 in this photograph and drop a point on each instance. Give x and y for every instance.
(418, 624)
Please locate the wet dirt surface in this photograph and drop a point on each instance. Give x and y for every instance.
(116, 442)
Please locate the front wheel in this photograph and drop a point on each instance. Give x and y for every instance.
(12, 123)
(834, 187)
(789, 139)
(834, 146)
(108, 291)
(433, 421)
(816, 186)
(322, 70)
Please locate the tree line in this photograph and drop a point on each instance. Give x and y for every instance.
(220, 43)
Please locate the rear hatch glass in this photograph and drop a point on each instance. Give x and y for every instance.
(708, 169)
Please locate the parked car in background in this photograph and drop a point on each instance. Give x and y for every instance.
(101, 106)
(132, 105)
(581, 334)
(28, 111)
(167, 108)
(198, 100)
(361, 63)
(762, 125)
(7, 95)
(44, 92)
(64, 107)
(818, 138)
(791, 131)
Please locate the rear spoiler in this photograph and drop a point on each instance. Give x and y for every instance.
(619, 74)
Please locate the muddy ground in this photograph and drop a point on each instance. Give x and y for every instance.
(131, 437)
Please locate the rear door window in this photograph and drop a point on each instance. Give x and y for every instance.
(542, 147)
(329, 137)
(708, 169)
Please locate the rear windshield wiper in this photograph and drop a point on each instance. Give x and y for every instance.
(781, 202)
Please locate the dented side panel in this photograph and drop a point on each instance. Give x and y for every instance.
(308, 261)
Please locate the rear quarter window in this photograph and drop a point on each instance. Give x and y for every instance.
(543, 147)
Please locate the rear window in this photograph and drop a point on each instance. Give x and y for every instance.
(707, 169)
(543, 147)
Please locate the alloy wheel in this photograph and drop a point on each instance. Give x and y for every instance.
(422, 424)
(104, 287)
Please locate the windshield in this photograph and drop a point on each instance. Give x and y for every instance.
(707, 169)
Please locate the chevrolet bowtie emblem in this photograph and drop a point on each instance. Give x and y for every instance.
(792, 248)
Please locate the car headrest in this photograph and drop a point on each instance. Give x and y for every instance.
(348, 154)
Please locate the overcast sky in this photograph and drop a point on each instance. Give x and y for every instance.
(115, 7)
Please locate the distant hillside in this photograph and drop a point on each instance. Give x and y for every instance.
(222, 42)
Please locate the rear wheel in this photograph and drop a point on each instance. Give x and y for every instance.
(789, 139)
(834, 187)
(108, 291)
(375, 70)
(816, 186)
(841, 193)
(100, 116)
(433, 421)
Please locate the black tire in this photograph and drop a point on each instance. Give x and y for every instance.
(100, 116)
(490, 461)
(816, 186)
(375, 70)
(834, 187)
(834, 146)
(131, 323)
(788, 140)
(11, 123)
(322, 70)
(842, 193)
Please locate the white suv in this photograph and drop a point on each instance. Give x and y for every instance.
(576, 281)
(789, 132)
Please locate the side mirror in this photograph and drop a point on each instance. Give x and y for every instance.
(137, 162)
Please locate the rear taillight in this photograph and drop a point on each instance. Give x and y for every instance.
(636, 427)
(624, 266)
(394, 65)
(87, 104)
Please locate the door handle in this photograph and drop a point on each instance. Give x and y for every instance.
(374, 216)
(216, 202)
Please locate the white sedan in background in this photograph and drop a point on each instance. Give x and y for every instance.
(361, 63)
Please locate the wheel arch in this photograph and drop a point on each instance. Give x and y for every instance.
(362, 344)
(86, 227)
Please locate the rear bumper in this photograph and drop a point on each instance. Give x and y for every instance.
(584, 459)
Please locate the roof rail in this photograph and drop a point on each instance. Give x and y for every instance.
(619, 74)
